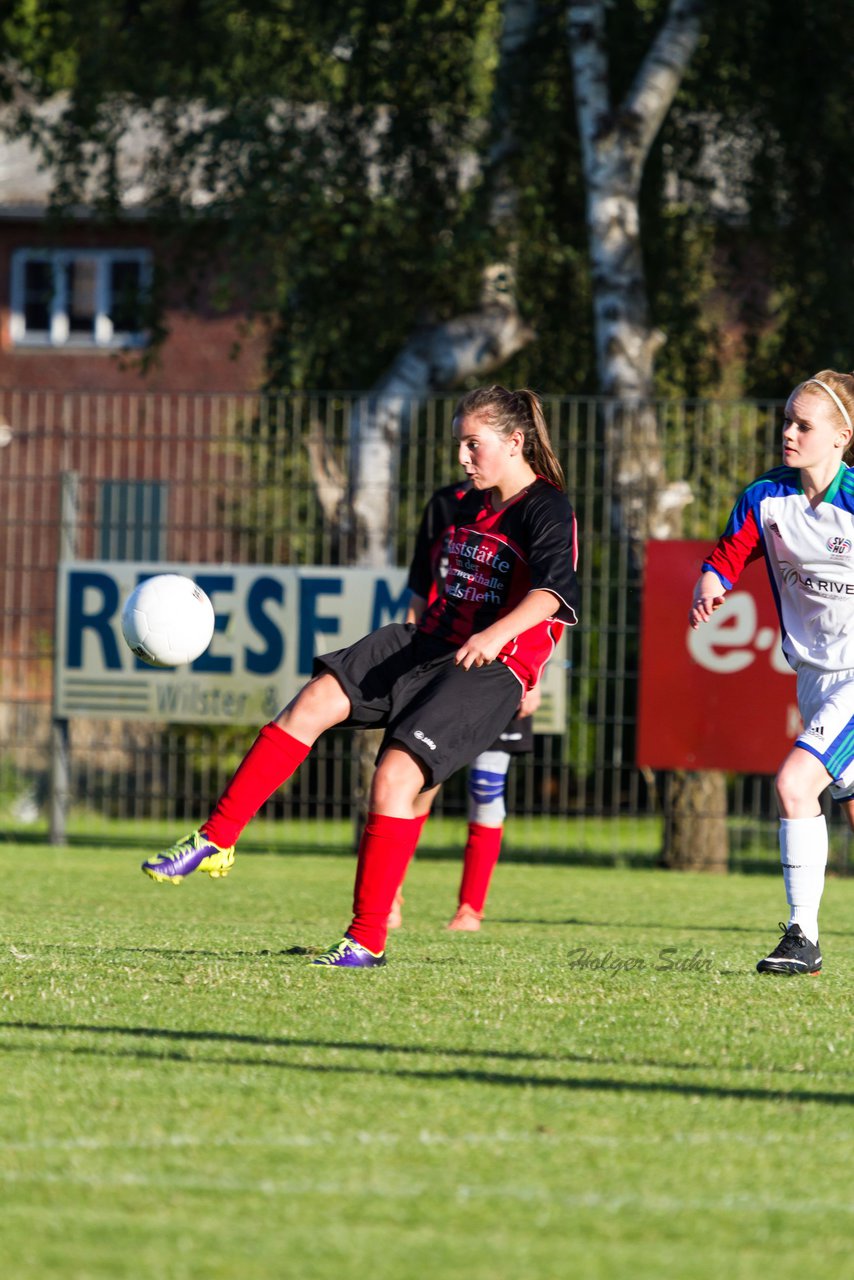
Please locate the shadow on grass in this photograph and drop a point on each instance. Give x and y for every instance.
(251, 847)
(170, 953)
(624, 859)
(363, 1068)
(119, 950)
(645, 926)
(639, 925)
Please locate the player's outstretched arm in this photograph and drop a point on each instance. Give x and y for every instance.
(708, 595)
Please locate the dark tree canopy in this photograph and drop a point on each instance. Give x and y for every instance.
(772, 86)
(346, 148)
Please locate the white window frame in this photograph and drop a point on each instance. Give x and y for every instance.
(104, 336)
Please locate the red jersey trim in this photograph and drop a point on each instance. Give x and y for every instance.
(734, 551)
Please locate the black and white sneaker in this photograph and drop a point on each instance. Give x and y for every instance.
(794, 953)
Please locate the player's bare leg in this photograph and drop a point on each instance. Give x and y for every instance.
(848, 810)
(276, 754)
(319, 705)
(395, 815)
(803, 854)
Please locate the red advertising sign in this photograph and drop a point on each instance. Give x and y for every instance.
(720, 697)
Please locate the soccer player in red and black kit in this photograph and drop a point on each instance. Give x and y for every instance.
(442, 689)
(487, 774)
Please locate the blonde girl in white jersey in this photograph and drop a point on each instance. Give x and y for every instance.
(800, 516)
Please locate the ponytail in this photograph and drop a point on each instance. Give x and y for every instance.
(538, 446)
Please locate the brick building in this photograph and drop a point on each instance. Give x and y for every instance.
(84, 420)
(71, 300)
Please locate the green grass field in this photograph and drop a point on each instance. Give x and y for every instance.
(596, 1085)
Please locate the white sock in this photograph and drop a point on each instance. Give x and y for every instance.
(803, 853)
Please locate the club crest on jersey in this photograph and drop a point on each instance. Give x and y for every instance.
(839, 546)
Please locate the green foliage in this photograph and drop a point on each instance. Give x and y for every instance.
(330, 138)
(185, 1096)
(773, 80)
(345, 150)
(554, 278)
(362, 216)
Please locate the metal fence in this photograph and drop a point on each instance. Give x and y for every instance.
(223, 478)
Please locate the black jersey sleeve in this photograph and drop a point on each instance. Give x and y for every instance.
(552, 549)
(421, 568)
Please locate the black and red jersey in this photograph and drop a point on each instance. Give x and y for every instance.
(430, 558)
(490, 561)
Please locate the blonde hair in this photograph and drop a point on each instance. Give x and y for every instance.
(509, 411)
(839, 387)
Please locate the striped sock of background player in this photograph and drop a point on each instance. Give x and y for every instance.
(270, 761)
(487, 783)
(481, 854)
(803, 853)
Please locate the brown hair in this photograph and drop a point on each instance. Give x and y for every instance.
(509, 411)
(842, 385)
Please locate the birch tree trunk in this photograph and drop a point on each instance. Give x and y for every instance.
(615, 143)
(435, 358)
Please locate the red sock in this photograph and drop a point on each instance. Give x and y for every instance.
(418, 831)
(387, 845)
(270, 761)
(482, 849)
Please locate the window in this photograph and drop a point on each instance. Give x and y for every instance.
(80, 298)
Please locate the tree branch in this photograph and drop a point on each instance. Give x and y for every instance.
(661, 72)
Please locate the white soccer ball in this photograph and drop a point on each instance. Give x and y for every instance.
(168, 620)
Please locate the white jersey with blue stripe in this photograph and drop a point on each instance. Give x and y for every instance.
(809, 553)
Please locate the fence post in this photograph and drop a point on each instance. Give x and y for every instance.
(60, 738)
(59, 781)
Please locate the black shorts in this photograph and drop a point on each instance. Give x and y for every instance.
(518, 737)
(407, 683)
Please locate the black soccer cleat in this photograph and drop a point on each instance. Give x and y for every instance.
(794, 953)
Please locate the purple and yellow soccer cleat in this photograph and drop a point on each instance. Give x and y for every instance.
(350, 954)
(191, 853)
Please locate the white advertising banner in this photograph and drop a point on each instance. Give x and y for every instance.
(270, 624)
